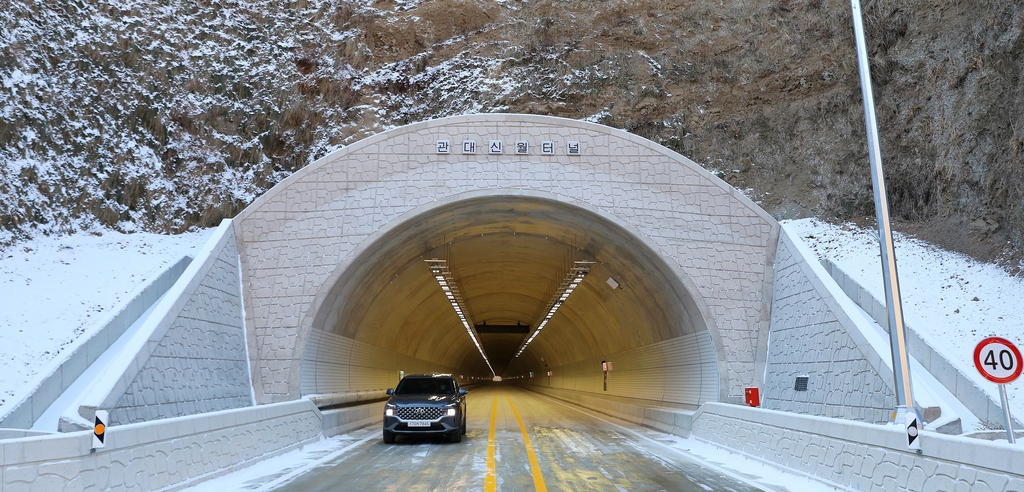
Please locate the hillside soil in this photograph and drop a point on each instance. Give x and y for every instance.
(164, 117)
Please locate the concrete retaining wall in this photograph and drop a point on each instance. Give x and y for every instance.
(972, 396)
(861, 456)
(813, 334)
(86, 351)
(168, 453)
(190, 356)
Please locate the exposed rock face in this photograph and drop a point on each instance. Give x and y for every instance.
(164, 115)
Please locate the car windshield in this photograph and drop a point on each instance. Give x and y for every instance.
(425, 386)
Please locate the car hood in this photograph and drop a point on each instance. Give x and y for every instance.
(424, 400)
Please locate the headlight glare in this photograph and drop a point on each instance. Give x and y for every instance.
(451, 412)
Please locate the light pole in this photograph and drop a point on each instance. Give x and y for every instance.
(897, 331)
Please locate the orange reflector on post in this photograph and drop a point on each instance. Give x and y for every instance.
(99, 430)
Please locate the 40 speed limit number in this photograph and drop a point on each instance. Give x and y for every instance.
(998, 360)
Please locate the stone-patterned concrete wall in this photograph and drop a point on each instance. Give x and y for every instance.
(966, 389)
(335, 364)
(200, 364)
(190, 356)
(161, 454)
(301, 234)
(812, 335)
(680, 372)
(861, 456)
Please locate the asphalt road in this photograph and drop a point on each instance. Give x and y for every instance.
(518, 440)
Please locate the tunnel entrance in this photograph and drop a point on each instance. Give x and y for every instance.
(338, 298)
(508, 254)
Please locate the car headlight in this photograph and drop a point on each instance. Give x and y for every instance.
(451, 412)
(389, 410)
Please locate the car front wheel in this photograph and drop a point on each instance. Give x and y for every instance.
(389, 437)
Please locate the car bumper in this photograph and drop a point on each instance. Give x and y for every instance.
(445, 425)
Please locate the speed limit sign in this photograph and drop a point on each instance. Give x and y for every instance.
(998, 360)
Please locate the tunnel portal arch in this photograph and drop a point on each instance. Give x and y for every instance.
(337, 298)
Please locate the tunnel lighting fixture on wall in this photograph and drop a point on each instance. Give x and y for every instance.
(439, 269)
(572, 280)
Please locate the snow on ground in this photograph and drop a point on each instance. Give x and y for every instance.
(949, 299)
(57, 290)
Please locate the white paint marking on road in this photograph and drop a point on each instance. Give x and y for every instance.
(305, 469)
(702, 462)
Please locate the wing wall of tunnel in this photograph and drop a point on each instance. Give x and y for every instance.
(303, 239)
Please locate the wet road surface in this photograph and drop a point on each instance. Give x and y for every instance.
(518, 440)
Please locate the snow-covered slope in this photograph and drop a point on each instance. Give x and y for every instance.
(951, 300)
(56, 290)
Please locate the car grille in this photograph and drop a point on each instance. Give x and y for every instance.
(419, 413)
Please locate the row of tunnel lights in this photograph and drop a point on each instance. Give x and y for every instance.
(572, 280)
(439, 269)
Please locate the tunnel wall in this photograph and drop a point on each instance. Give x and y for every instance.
(300, 237)
(334, 364)
(680, 372)
(812, 334)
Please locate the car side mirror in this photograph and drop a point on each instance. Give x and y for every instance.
(390, 391)
(463, 391)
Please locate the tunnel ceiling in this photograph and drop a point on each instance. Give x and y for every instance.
(508, 255)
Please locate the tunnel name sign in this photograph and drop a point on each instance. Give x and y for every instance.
(999, 361)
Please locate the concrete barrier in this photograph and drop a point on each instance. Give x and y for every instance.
(164, 454)
(858, 455)
(342, 420)
(674, 421)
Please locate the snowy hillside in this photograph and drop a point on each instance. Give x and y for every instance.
(163, 116)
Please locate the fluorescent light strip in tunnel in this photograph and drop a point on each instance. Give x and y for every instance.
(439, 269)
(572, 280)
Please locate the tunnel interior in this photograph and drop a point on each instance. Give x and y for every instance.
(507, 256)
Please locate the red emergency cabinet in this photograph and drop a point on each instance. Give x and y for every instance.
(753, 397)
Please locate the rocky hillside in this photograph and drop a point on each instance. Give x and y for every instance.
(161, 116)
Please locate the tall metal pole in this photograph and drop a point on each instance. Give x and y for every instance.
(897, 332)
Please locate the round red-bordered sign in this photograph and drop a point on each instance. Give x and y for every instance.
(998, 360)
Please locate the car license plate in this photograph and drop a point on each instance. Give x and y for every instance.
(419, 423)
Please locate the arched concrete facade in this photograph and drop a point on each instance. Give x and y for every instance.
(337, 297)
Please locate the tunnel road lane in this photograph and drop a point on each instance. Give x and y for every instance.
(518, 440)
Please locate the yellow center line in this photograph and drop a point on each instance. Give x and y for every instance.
(491, 480)
(538, 477)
